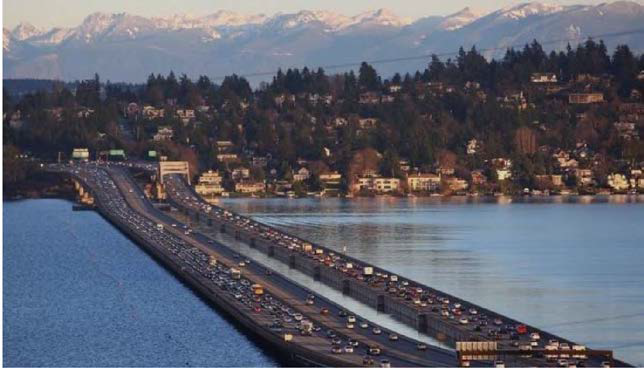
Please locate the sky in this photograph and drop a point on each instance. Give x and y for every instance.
(70, 13)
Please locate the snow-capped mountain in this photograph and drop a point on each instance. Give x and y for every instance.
(459, 19)
(24, 31)
(127, 47)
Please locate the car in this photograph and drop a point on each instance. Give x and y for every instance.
(324, 311)
(499, 364)
(342, 313)
(351, 319)
(393, 337)
(498, 322)
(463, 321)
(354, 343)
(385, 364)
(367, 360)
(535, 336)
(374, 350)
(364, 324)
(309, 302)
(605, 365)
(562, 362)
(348, 349)
(336, 341)
(376, 331)
(298, 317)
(349, 325)
(336, 350)
(421, 346)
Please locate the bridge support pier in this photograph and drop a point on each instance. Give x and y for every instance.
(291, 260)
(380, 303)
(422, 322)
(271, 251)
(346, 287)
(317, 273)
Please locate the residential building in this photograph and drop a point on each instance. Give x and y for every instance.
(185, 115)
(377, 184)
(164, 133)
(455, 184)
(543, 78)
(473, 146)
(209, 184)
(227, 157)
(249, 186)
(423, 182)
(618, 182)
(301, 175)
(240, 173)
(584, 177)
(585, 98)
(151, 112)
(369, 98)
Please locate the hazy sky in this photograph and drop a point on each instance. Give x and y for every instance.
(66, 13)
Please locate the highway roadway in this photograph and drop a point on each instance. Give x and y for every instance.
(467, 319)
(120, 199)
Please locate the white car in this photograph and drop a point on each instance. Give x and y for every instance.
(463, 321)
(351, 319)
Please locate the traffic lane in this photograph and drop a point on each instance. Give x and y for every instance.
(113, 196)
(136, 198)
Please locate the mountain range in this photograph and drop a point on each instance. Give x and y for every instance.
(127, 47)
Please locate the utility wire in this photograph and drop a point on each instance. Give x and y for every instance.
(429, 55)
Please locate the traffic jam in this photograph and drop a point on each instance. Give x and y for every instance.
(480, 325)
(252, 298)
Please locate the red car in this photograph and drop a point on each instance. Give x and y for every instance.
(522, 329)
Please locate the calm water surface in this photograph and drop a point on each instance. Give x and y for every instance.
(78, 293)
(571, 266)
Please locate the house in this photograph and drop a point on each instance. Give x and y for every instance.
(249, 186)
(185, 115)
(340, 121)
(227, 157)
(394, 88)
(543, 78)
(584, 177)
(617, 182)
(367, 123)
(258, 161)
(164, 133)
(473, 146)
(387, 99)
(209, 184)
(369, 98)
(626, 130)
(301, 175)
(423, 182)
(564, 160)
(478, 178)
(224, 146)
(377, 184)
(84, 112)
(240, 173)
(151, 112)
(332, 178)
(404, 165)
(585, 98)
(455, 184)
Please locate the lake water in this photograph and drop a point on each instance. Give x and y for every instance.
(78, 293)
(573, 266)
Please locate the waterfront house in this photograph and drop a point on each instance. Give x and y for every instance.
(209, 184)
(423, 182)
